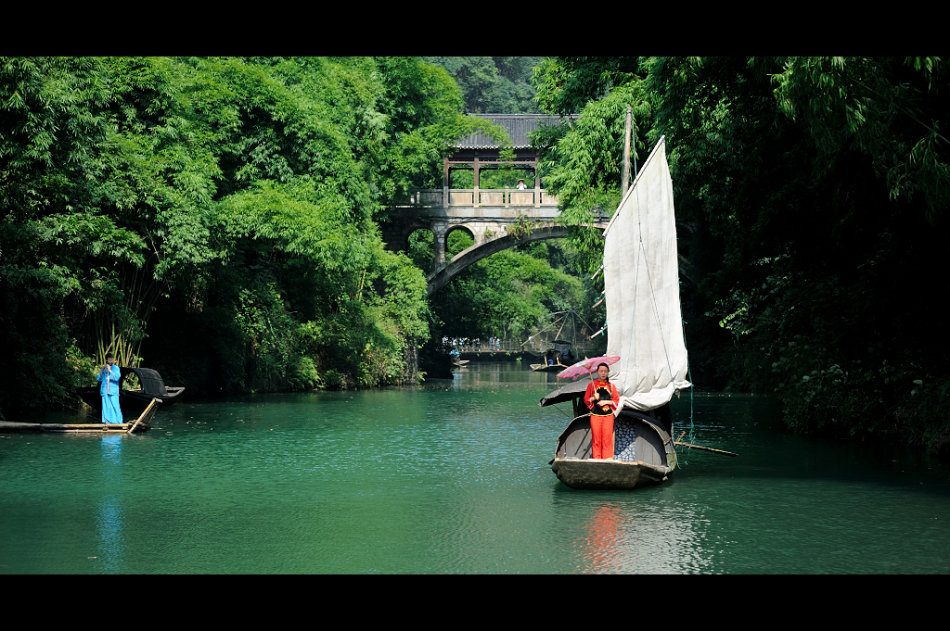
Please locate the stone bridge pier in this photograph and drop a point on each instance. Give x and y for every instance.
(484, 222)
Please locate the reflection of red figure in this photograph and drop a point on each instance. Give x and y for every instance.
(602, 539)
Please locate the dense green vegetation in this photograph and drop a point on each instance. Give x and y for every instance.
(214, 215)
(219, 217)
(811, 203)
(496, 85)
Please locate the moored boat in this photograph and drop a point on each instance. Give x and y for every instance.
(644, 329)
(644, 452)
(556, 358)
(456, 358)
(135, 400)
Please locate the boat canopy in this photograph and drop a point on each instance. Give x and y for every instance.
(151, 380)
(641, 285)
(568, 392)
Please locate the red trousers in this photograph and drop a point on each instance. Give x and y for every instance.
(602, 435)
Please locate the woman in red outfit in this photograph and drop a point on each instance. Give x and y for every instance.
(602, 398)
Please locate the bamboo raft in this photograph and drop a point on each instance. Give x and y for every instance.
(142, 424)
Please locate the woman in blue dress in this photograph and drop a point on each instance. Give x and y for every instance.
(109, 389)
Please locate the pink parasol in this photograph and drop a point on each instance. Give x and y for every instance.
(587, 366)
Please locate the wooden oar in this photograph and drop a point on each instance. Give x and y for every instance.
(713, 450)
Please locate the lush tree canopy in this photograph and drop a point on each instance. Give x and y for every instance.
(493, 84)
(215, 215)
(811, 205)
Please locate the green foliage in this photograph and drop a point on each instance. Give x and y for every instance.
(217, 217)
(50, 130)
(510, 295)
(568, 85)
(493, 84)
(887, 108)
(811, 197)
(805, 172)
(584, 164)
(217, 211)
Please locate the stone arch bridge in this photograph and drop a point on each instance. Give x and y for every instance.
(493, 227)
(496, 218)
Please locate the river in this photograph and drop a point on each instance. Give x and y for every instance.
(452, 477)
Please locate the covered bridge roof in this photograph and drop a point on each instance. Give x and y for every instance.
(518, 126)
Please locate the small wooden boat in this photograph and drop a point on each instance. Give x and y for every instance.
(555, 357)
(548, 367)
(134, 401)
(456, 358)
(141, 424)
(644, 451)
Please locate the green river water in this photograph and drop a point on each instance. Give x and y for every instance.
(452, 477)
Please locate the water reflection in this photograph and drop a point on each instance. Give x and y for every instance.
(500, 374)
(109, 522)
(646, 533)
(111, 454)
(601, 548)
(109, 528)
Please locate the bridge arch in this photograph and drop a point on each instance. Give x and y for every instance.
(477, 252)
(459, 227)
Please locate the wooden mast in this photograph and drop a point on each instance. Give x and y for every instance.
(625, 178)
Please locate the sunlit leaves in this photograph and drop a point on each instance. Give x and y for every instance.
(509, 294)
(228, 187)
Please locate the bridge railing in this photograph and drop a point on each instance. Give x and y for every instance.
(502, 197)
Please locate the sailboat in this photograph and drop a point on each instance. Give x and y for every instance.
(645, 329)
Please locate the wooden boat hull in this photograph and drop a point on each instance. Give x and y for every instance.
(141, 424)
(68, 428)
(607, 474)
(644, 454)
(559, 353)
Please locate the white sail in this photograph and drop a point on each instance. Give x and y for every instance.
(641, 284)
